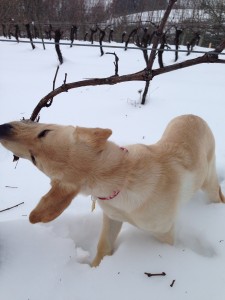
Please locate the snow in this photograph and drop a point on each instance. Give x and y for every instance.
(176, 15)
(51, 261)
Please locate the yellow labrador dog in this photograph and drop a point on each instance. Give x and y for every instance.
(139, 184)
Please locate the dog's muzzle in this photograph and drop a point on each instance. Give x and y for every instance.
(5, 130)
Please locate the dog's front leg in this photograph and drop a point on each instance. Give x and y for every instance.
(110, 231)
(54, 202)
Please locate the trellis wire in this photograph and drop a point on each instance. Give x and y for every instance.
(112, 46)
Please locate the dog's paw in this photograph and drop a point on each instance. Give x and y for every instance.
(96, 262)
(34, 218)
(37, 216)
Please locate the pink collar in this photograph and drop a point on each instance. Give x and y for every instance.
(113, 195)
(124, 149)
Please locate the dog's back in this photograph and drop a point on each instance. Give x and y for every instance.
(191, 135)
(192, 140)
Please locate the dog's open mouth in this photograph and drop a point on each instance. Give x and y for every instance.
(15, 158)
(32, 158)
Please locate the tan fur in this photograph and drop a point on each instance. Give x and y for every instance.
(151, 180)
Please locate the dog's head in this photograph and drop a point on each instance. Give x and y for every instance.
(46, 143)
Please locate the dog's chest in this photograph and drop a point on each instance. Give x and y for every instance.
(116, 214)
(122, 207)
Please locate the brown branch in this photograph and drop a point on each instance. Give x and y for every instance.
(54, 80)
(115, 62)
(220, 47)
(49, 102)
(206, 58)
(172, 283)
(159, 33)
(143, 75)
(64, 82)
(11, 207)
(58, 35)
(139, 76)
(11, 187)
(155, 274)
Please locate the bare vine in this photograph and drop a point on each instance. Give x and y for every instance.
(144, 75)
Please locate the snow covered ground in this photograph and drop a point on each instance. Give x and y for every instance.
(50, 261)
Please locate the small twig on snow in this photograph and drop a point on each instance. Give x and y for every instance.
(172, 283)
(11, 187)
(11, 207)
(155, 274)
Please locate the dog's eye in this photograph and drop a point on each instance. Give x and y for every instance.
(43, 133)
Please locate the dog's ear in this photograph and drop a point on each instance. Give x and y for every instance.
(53, 203)
(95, 137)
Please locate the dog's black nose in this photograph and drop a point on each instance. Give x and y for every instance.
(5, 130)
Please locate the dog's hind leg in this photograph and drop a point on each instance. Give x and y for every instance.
(53, 203)
(110, 231)
(211, 185)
